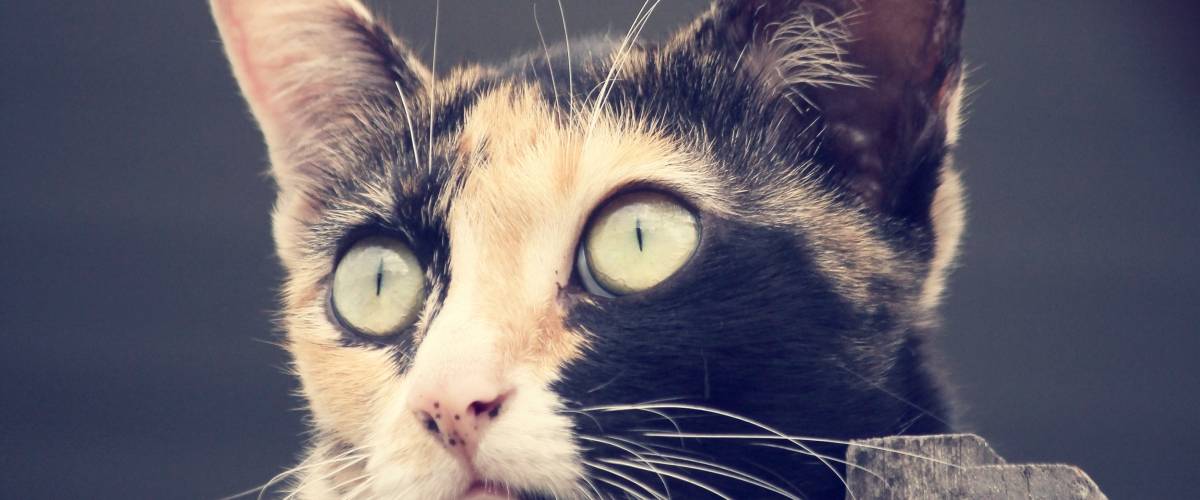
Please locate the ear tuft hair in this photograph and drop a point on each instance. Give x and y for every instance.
(880, 74)
(809, 50)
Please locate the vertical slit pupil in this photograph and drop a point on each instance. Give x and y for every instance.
(638, 229)
(379, 278)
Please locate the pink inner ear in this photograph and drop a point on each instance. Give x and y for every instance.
(302, 64)
(231, 25)
(305, 67)
(235, 19)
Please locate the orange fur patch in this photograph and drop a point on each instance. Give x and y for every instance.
(533, 178)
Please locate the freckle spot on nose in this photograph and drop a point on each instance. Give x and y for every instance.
(438, 416)
(456, 417)
(436, 405)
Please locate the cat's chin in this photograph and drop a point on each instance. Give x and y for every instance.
(480, 490)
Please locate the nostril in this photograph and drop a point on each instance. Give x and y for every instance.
(430, 422)
(489, 408)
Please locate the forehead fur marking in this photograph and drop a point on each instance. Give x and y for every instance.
(531, 178)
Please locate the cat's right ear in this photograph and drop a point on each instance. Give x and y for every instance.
(883, 76)
(307, 68)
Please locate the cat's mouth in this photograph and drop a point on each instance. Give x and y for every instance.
(488, 490)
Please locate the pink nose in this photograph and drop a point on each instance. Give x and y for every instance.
(458, 410)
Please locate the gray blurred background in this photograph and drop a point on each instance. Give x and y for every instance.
(137, 276)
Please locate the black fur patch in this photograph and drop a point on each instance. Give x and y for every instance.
(751, 326)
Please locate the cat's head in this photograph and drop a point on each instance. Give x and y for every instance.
(562, 276)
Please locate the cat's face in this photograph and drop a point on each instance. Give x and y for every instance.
(565, 278)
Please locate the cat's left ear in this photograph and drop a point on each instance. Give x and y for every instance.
(882, 76)
(308, 68)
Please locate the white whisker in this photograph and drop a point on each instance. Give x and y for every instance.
(546, 52)
(298, 468)
(584, 494)
(360, 489)
(635, 30)
(694, 482)
(744, 476)
(738, 62)
(799, 438)
(567, 40)
(588, 415)
(586, 479)
(328, 475)
(437, 13)
(728, 472)
(826, 457)
(626, 449)
(876, 385)
(647, 410)
(627, 490)
(412, 134)
(338, 487)
(746, 420)
(626, 477)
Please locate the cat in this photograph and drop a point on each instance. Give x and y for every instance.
(681, 269)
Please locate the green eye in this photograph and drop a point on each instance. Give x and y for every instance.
(635, 242)
(378, 286)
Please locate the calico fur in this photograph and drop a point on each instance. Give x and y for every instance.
(813, 139)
